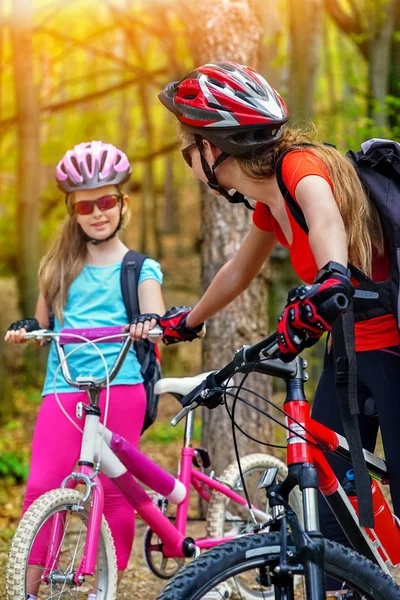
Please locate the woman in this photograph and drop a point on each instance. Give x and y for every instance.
(231, 129)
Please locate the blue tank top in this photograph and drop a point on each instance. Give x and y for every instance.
(95, 300)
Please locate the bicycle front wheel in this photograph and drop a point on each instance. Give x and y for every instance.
(249, 563)
(32, 539)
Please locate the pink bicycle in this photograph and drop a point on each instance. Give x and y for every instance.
(80, 550)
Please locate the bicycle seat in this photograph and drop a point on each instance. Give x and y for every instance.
(179, 386)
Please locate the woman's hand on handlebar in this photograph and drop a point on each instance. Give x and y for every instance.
(175, 328)
(16, 332)
(309, 312)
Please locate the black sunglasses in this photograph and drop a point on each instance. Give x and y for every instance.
(186, 154)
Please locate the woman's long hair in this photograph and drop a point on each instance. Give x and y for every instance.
(64, 260)
(360, 217)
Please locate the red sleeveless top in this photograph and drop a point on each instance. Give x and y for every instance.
(373, 334)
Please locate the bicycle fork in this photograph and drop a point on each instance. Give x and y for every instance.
(88, 476)
(115, 468)
(309, 542)
(303, 471)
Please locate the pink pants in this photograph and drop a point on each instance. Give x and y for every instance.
(55, 451)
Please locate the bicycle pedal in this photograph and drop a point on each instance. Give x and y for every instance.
(221, 591)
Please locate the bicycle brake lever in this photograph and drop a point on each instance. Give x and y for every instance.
(38, 335)
(207, 393)
(182, 413)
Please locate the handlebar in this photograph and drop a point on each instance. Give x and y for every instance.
(209, 392)
(66, 336)
(94, 334)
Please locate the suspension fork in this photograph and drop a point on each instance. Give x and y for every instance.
(300, 463)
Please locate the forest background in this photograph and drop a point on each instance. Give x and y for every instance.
(81, 70)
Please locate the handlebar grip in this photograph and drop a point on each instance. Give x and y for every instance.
(333, 307)
(92, 334)
(270, 343)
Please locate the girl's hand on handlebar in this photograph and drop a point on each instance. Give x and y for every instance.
(141, 325)
(17, 330)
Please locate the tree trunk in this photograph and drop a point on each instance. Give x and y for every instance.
(7, 406)
(380, 37)
(394, 66)
(371, 28)
(305, 24)
(28, 162)
(218, 33)
(171, 196)
(272, 27)
(244, 321)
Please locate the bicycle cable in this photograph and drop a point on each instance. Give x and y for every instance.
(236, 448)
(87, 342)
(260, 410)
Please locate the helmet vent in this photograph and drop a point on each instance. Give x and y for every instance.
(219, 107)
(75, 163)
(103, 160)
(216, 82)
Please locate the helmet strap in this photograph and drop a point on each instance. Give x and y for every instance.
(212, 181)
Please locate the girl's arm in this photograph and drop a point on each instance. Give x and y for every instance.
(41, 315)
(150, 302)
(235, 276)
(327, 235)
(42, 312)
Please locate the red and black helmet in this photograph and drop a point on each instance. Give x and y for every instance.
(230, 105)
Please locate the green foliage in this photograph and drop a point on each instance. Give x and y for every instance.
(161, 433)
(14, 466)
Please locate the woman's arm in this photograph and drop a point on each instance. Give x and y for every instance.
(235, 276)
(327, 235)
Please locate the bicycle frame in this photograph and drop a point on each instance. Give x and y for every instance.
(302, 438)
(124, 464)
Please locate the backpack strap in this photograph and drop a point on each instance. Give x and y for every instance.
(294, 208)
(346, 391)
(130, 273)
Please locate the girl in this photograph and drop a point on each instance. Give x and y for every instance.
(231, 129)
(79, 281)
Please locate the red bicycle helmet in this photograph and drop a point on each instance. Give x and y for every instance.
(229, 104)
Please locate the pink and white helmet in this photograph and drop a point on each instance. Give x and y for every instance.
(92, 165)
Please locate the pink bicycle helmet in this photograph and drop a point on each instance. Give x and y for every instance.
(91, 165)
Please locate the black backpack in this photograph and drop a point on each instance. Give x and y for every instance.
(378, 167)
(145, 350)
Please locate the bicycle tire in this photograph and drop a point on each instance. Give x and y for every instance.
(216, 512)
(238, 556)
(29, 528)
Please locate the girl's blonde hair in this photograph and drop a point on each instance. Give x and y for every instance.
(64, 260)
(360, 217)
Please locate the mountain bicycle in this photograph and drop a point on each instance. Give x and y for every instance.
(273, 560)
(80, 550)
